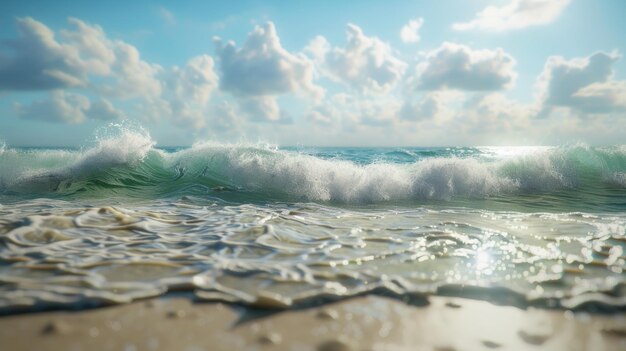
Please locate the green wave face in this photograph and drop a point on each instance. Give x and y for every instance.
(128, 165)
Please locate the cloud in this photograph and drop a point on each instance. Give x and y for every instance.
(382, 113)
(104, 110)
(323, 115)
(516, 14)
(494, 113)
(132, 77)
(37, 61)
(454, 66)
(584, 85)
(264, 109)
(263, 67)
(366, 63)
(95, 53)
(428, 108)
(195, 82)
(224, 117)
(185, 96)
(410, 31)
(186, 92)
(83, 58)
(611, 95)
(350, 112)
(62, 107)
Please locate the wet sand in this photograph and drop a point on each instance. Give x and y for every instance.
(363, 323)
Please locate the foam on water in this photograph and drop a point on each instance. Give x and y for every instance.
(278, 255)
(289, 175)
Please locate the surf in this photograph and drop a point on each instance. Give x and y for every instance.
(129, 163)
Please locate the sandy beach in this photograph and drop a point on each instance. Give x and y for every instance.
(362, 323)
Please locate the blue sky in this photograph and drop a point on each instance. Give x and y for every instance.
(483, 72)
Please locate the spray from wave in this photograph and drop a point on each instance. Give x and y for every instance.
(126, 162)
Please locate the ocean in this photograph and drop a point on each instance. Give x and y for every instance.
(282, 227)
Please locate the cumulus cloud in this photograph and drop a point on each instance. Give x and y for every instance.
(195, 82)
(82, 57)
(225, 117)
(410, 31)
(454, 66)
(95, 53)
(428, 108)
(187, 91)
(584, 85)
(516, 14)
(132, 76)
(264, 109)
(494, 112)
(323, 115)
(366, 63)
(378, 112)
(62, 107)
(350, 112)
(38, 60)
(104, 110)
(611, 95)
(263, 67)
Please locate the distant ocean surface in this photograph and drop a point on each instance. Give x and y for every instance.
(279, 227)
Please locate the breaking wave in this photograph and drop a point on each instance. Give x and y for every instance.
(129, 164)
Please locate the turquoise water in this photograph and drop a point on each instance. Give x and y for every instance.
(272, 226)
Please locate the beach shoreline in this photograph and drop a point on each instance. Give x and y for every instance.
(361, 323)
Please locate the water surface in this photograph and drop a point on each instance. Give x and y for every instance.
(270, 226)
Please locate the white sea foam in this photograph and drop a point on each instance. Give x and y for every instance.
(313, 178)
(276, 173)
(42, 170)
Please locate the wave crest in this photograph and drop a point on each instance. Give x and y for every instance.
(128, 162)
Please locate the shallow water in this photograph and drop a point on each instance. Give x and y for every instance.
(279, 227)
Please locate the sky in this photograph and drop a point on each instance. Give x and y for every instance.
(315, 73)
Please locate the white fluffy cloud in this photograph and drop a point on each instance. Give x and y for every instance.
(187, 92)
(195, 82)
(124, 74)
(410, 31)
(493, 113)
(434, 106)
(366, 63)
(68, 108)
(104, 110)
(95, 53)
(584, 85)
(224, 118)
(516, 14)
(261, 70)
(454, 66)
(38, 60)
(611, 95)
(132, 77)
(263, 67)
(83, 58)
(264, 109)
(349, 112)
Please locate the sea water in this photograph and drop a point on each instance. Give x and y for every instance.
(268, 226)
